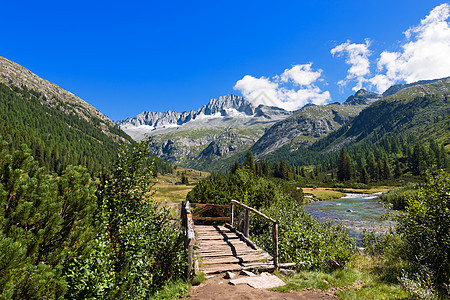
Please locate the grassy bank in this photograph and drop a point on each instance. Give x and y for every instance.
(362, 278)
(321, 194)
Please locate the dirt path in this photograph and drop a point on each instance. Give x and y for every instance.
(218, 288)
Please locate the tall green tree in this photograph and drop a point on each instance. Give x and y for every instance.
(418, 160)
(364, 178)
(386, 170)
(249, 162)
(345, 167)
(372, 165)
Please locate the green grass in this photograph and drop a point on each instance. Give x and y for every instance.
(360, 279)
(173, 290)
(199, 278)
(322, 193)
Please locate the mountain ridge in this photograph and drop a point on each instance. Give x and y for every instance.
(311, 123)
(59, 128)
(222, 108)
(224, 127)
(13, 74)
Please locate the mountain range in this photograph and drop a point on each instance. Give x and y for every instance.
(63, 129)
(214, 136)
(225, 127)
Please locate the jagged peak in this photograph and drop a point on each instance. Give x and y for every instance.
(362, 97)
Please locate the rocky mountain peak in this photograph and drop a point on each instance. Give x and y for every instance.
(228, 102)
(224, 111)
(362, 97)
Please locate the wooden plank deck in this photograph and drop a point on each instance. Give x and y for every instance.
(220, 250)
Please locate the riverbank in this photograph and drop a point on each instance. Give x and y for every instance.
(329, 193)
(357, 212)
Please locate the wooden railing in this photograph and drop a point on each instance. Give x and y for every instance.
(206, 207)
(246, 229)
(189, 238)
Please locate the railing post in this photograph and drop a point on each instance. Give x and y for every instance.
(247, 223)
(275, 244)
(231, 214)
(183, 214)
(189, 238)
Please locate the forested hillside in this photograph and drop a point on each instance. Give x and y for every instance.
(60, 128)
(409, 126)
(56, 138)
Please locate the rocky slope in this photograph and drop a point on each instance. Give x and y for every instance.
(13, 74)
(311, 123)
(225, 127)
(59, 128)
(225, 111)
(419, 110)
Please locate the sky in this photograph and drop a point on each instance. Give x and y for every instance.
(128, 57)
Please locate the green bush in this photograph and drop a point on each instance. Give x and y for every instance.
(245, 187)
(62, 238)
(302, 239)
(45, 222)
(148, 249)
(425, 227)
(397, 197)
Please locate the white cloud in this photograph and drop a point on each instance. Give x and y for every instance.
(291, 90)
(425, 55)
(358, 58)
(301, 74)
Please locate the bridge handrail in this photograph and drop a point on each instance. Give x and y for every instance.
(247, 226)
(189, 238)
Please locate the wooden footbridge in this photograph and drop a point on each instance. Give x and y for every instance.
(217, 249)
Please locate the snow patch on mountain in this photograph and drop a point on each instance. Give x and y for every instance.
(225, 111)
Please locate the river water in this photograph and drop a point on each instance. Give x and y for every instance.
(357, 212)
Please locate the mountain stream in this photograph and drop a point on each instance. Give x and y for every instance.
(356, 212)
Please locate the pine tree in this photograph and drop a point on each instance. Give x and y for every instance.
(379, 171)
(283, 172)
(345, 168)
(184, 179)
(435, 153)
(249, 161)
(372, 165)
(235, 167)
(386, 170)
(444, 158)
(364, 178)
(397, 170)
(303, 173)
(46, 224)
(418, 160)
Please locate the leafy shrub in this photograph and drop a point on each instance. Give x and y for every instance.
(245, 187)
(426, 230)
(148, 249)
(388, 250)
(419, 286)
(302, 239)
(382, 244)
(398, 197)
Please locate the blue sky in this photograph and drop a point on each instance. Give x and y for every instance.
(127, 57)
